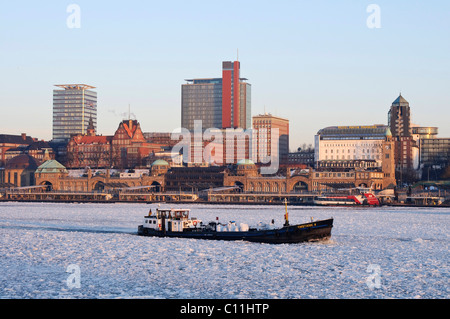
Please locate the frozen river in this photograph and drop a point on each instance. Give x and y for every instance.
(373, 253)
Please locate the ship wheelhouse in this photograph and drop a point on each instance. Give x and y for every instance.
(172, 220)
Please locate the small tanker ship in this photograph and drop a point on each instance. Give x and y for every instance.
(176, 223)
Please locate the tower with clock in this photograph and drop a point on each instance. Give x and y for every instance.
(388, 161)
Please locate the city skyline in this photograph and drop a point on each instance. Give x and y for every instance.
(317, 64)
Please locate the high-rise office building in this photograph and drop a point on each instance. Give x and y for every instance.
(218, 102)
(245, 106)
(201, 99)
(73, 106)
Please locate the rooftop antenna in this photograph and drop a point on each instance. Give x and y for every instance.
(237, 55)
(129, 112)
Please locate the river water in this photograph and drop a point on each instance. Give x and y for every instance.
(50, 250)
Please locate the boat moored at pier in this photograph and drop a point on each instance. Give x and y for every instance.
(365, 199)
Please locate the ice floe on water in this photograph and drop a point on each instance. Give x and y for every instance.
(373, 253)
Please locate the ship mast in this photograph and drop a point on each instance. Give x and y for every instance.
(286, 215)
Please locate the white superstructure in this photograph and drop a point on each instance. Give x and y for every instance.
(174, 220)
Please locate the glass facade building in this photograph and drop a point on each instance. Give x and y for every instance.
(246, 105)
(201, 99)
(420, 132)
(435, 152)
(73, 106)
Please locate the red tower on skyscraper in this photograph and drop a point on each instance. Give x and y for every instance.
(231, 94)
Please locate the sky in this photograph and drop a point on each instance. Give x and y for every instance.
(317, 63)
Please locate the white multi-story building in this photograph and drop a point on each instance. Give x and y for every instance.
(74, 105)
(349, 143)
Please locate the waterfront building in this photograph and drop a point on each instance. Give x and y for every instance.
(368, 149)
(399, 118)
(73, 106)
(214, 146)
(8, 142)
(19, 171)
(243, 177)
(89, 149)
(347, 165)
(350, 143)
(423, 158)
(92, 151)
(388, 162)
(162, 138)
(55, 176)
(37, 150)
(301, 157)
(321, 180)
(40, 151)
(406, 154)
(193, 179)
(218, 102)
(59, 150)
(434, 153)
(406, 151)
(263, 141)
(129, 148)
(249, 180)
(237, 145)
(423, 132)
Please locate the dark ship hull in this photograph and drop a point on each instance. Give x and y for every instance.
(313, 231)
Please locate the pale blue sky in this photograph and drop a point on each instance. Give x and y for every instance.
(314, 62)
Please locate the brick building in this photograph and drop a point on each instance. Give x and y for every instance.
(89, 149)
(264, 126)
(406, 149)
(92, 151)
(129, 148)
(12, 141)
(38, 150)
(19, 171)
